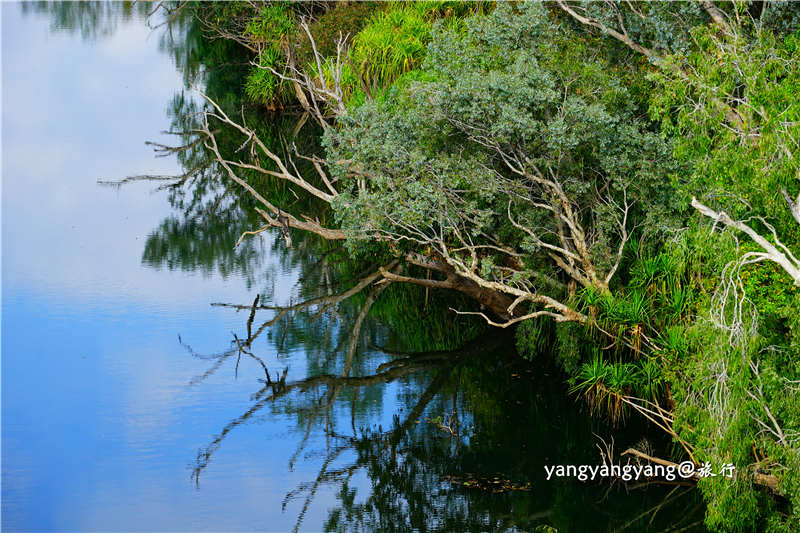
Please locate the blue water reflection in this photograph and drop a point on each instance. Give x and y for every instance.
(100, 424)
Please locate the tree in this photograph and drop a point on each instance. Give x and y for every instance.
(516, 167)
(747, 175)
(749, 169)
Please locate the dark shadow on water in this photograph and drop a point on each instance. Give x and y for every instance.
(471, 433)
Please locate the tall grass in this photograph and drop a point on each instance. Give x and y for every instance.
(393, 43)
(270, 29)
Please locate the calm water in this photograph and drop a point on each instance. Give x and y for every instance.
(126, 405)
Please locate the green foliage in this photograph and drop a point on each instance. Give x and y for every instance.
(659, 268)
(721, 393)
(742, 168)
(605, 385)
(734, 116)
(650, 382)
(343, 19)
(269, 31)
(674, 343)
(389, 40)
(505, 80)
(272, 25)
(768, 286)
(391, 44)
(721, 387)
(395, 39)
(661, 26)
(262, 85)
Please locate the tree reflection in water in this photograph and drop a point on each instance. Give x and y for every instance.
(472, 431)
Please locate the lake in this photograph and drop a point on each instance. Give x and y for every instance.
(154, 379)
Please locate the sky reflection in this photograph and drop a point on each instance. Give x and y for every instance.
(99, 422)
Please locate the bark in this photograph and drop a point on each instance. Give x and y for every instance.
(716, 14)
(622, 37)
(794, 205)
(497, 302)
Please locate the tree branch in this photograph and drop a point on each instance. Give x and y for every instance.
(622, 37)
(771, 251)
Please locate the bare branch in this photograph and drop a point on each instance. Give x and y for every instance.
(251, 135)
(316, 94)
(794, 205)
(622, 37)
(771, 251)
(511, 322)
(281, 219)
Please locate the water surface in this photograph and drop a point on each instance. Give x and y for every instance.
(131, 403)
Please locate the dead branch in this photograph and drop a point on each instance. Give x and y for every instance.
(283, 172)
(279, 218)
(777, 253)
(660, 417)
(794, 205)
(765, 480)
(320, 94)
(731, 310)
